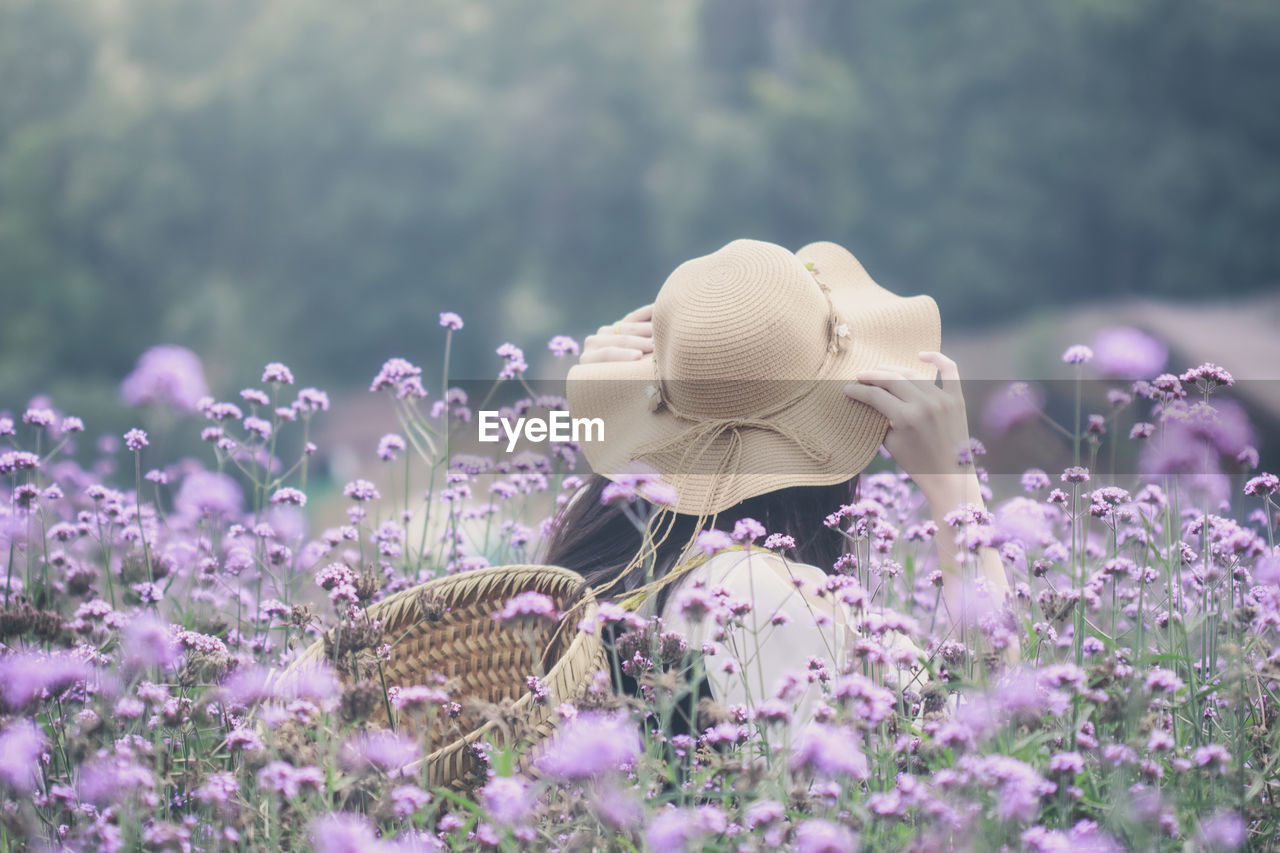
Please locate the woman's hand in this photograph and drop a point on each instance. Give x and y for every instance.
(928, 432)
(928, 428)
(629, 339)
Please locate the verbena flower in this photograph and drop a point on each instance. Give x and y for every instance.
(21, 744)
(208, 493)
(135, 439)
(288, 495)
(166, 375)
(818, 835)
(361, 490)
(513, 361)
(450, 320)
(712, 542)
(1077, 354)
(1208, 377)
(591, 744)
(747, 530)
(528, 604)
(561, 345)
(277, 373)
(1124, 352)
(390, 445)
(1263, 484)
(830, 751)
(508, 800)
(388, 752)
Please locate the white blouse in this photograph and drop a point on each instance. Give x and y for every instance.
(789, 625)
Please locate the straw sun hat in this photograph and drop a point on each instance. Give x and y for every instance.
(744, 392)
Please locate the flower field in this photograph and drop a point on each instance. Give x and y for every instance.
(1127, 696)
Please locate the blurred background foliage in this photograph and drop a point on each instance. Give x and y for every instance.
(313, 181)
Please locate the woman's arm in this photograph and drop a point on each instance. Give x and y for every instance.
(928, 430)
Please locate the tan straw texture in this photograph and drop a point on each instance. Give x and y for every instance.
(743, 395)
(485, 660)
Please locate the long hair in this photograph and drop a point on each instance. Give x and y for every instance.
(599, 542)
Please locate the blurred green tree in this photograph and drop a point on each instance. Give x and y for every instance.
(313, 181)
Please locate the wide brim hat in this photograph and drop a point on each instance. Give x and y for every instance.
(744, 392)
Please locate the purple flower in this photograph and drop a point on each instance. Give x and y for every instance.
(166, 375)
(148, 642)
(747, 530)
(343, 832)
(1124, 352)
(290, 781)
(507, 799)
(381, 750)
(672, 831)
(1142, 429)
(389, 445)
(1208, 377)
(829, 751)
(258, 426)
(21, 745)
(1018, 786)
(6, 427)
(135, 439)
(764, 812)
(590, 744)
(255, 396)
(1224, 830)
(208, 493)
(114, 779)
(39, 418)
(276, 372)
(361, 490)
(1213, 756)
(406, 800)
(514, 363)
(1075, 474)
(528, 604)
(1163, 681)
(399, 375)
(289, 495)
(1077, 354)
(712, 542)
(562, 345)
(823, 836)
(222, 411)
(1248, 458)
(1034, 480)
(312, 400)
(18, 460)
(450, 321)
(1010, 406)
(779, 542)
(1067, 763)
(219, 788)
(1263, 484)
(25, 676)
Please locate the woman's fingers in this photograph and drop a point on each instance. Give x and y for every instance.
(877, 398)
(643, 314)
(635, 342)
(947, 368)
(627, 329)
(608, 353)
(896, 382)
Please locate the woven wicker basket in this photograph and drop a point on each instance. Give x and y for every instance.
(484, 659)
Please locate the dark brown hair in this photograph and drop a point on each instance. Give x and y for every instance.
(599, 541)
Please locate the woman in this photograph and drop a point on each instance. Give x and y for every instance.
(759, 384)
